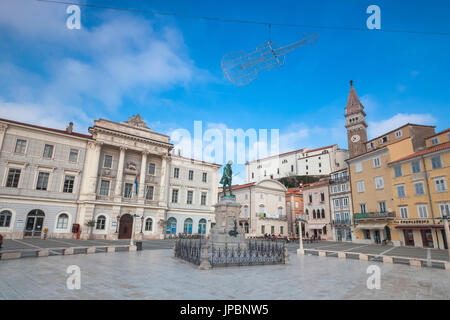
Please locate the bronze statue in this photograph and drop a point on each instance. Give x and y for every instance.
(226, 178)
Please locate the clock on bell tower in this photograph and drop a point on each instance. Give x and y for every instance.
(356, 124)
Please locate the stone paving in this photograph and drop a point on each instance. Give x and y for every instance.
(155, 274)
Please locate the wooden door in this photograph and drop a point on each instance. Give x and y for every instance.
(409, 237)
(427, 238)
(126, 226)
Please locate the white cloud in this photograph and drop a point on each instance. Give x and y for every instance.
(377, 128)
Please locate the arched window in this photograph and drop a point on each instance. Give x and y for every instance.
(246, 227)
(314, 214)
(5, 218)
(188, 226)
(101, 223)
(323, 214)
(171, 227)
(280, 211)
(63, 221)
(202, 226)
(307, 212)
(149, 224)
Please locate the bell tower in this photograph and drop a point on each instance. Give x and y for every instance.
(356, 124)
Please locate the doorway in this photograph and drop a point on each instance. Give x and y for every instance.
(35, 222)
(126, 226)
(376, 236)
(409, 237)
(427, 238)
(339, 234)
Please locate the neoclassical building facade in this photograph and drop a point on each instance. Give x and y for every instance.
(117, 182)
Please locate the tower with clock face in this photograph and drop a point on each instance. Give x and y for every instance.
(356, 124)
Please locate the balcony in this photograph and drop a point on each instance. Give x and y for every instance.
(151, 179)
(342, 222)
(339, 180)
(374, 215)
(273, 217)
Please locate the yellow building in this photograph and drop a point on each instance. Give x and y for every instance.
(421, 196)
(371, 176)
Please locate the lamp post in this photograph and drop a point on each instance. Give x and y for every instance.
(300, 240)
(142, 224)
(445, 217)
(132, 230)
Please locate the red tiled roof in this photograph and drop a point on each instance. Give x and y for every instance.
(76, 134)
(423, 152)
(436, 134)
(317, 184)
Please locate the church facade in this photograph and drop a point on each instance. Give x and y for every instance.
(117, 182)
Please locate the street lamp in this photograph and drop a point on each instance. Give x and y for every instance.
(132, 229)
(142, 224)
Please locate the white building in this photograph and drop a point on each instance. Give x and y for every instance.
(302, 162)
(119, 178)
(263, 208)
(341, 206)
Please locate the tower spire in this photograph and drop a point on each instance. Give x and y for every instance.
(353, 103)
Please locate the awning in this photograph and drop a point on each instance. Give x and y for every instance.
(316, 225)
(371, 226)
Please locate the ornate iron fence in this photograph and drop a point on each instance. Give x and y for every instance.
(253, 252)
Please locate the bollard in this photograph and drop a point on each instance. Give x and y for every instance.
(90, 250)
(42, 253)
(363, 257)
(322, 253)
(110, 249)
(415, 262)
(68, 251)
(205, 264)
(10, 255)
(342, 255)
(388, 259)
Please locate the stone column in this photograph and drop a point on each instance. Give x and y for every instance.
(3, 127)
(142, 175)
(119, 178)
(91, 164)
(164, 184)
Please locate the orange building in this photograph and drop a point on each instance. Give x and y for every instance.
(294, 209)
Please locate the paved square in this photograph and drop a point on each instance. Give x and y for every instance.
(155, 274)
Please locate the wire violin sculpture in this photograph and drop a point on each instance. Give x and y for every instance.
(242, 68)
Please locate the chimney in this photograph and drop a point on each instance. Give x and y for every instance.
(69, 127)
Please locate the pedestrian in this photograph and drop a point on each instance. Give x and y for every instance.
(1, 241)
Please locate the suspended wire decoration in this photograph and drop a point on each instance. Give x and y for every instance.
(242, 68)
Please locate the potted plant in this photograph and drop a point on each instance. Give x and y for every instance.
(90, 224)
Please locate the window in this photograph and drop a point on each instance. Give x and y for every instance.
(401, 191)
(263, 229)
(281, 230)
(384, 139)
(253, 175)
(358, 167)
(203, 199)
(440, 184)
(376, 162)
(205, 177)
(382, 206)
(404, 212)
(149, 193)
(323, 214)
(245, 211)
(20, 146)
(310, 197)
(322, 196)
(279, 198)
(261, 196)
(13, 178)
(101, 223)
(422, 210)
(398, 133)
(362, 207)
(272, 229)
(107, 161)
(63, 221)
(379, 182)
(246, 196)
(5, 218)
(176, 172)
(292, 168)
(367, 234)
(104, 187)
(188, 226)
(151, 169)
(280, 212)
(175, 196)
(436, 162)
(314, 214)
(190, 195)
(149, 224)
(398, 171)
(191, 175)
(434, 141)
(68, 184)
(73, 155)
(48, 151)
(42, 182)
(418, 188)
(127, 191)
(296, 204)
(360, 185)
(202, 226)
(415, 167)
(444, 209)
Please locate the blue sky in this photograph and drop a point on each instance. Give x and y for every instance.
(168, 68)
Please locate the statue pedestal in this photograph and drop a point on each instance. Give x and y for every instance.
(227, 229)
